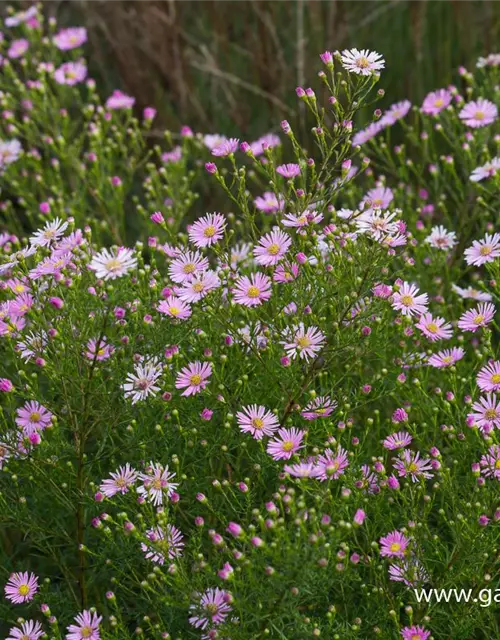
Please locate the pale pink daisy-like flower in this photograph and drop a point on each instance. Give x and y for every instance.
(21, 587)
(446, 358)
(212, 609)
(331, 464)
(486, 413)
(143, 382)
(33, 345)
(471, 293)
(119, 100)
(288, 171)
(398, 440)
(490, 462)
(32, 417)
(268, 141)
(98, 350)
(435, 101)
(415, 633)
(320, 407)
(50, 266)
(483, 251)
(69, 243)
(194, 378)
(21, 17)
(481, 316)
(411, 572)
(5, 452)
(199, 286)
(368, 133)
(285, 444)
(487, 170)
(362, 62)
(479, 113)
(378, 198)
(395, 112)
(86, 627)
(302, 220)
(18, 48)
(252, 291)
(301, 469)
(410, 464)
(167, 544)
(441, 238)
(119, 482)
(257, 420)
(207, 230)
(285, 273)
(434, 328)
(488, 378)
(70, 38)
(239, 253)
(268, 202)
(212, 140)
(10, 150)
(109, 265)
(29, 630)
(50, 233)
(377, 223)
(71, 73)
(175, 308)
(21, 305)
(394, 545)
(408, 301)
(346, 214)
(272, 248)
(305, 343)
(157, 482)
(226, 148)
(187, 266)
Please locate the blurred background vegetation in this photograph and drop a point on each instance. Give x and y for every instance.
(232, 66)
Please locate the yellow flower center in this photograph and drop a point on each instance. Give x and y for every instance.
(156, 484)
(19, 288)
(478, 319)
(303, 342)
(447, 359)
(198, 287)
(439, 102)
(288, 445)
(174, 311)
(273, 249)
(113, 265)
(209, 231)
(35, 416)
(432, 327)
(195, 379)
(412, 467)
(479, 115)
(211, 608)
(257, 423)
(495, 378)
(395, 546)
(486, 250)
(86, 632)
(23, 590)
(362, 62)
(100, 352)
(490, 414)
(253, 292)
(190, 267)
(407, 300)
(497, 464)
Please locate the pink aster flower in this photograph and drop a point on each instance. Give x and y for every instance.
(486, 413)
(157, 482)
(71, 73)
(119, 482)
(226, 148)
(18, 48)
(272, 248)
(301, 470)
(166, 544)
(207, 230)
(305, 343)
(395, 112)
(112, 264)
(252, 291)
(409, 464)
(362, 62)
(268, 141)
(21, 587)
(194, 378)
(319, 407)
(302, 220)
(268, 202)
(29, 630)
(490, 463)
(285, 273)
(471, 293)
(288, 170)
(257, 420)
(186, 266)
(332, 464)
(86, 627)
(70, 38)
(99, 350)
(415, 633)
(378, 198)
(286, 444)
(483, 251)
(488, 378)
(119, 100)
(33, 417)
(211, 610)
(22, 17)
(21, 305)
(434, 328)
(479, 113)
(441, 238)
(398, 440)
(51, 232)
(367, 134)
(144, 381)
(174, 308)
(411, 572)
(487, 170)
(446, 358)
(408, 301)
(435, 101)
(199, 286)
(482, 315)
(394, 545)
